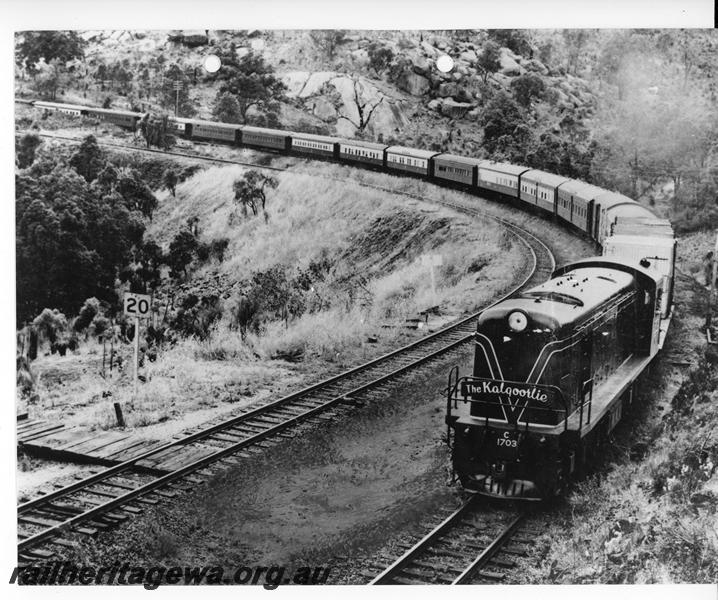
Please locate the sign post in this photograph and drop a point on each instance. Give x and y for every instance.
(431, 261)
(177, 86)
(137, 306)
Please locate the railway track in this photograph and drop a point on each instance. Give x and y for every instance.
(109, 497)
(473, 545)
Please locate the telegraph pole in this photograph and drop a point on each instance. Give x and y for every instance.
(177, 86)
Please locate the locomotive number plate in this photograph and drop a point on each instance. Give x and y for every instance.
(507, 443)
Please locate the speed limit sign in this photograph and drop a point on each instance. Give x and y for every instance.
(137, 305)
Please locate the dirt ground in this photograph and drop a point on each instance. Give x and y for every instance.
(334, 496)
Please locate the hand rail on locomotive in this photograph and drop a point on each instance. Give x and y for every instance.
(452, 394)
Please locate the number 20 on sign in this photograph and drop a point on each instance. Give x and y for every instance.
(137, 305)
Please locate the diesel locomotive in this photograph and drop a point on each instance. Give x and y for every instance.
(555, 366)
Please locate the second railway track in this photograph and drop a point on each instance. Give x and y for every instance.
(113, 495)
(472, 545)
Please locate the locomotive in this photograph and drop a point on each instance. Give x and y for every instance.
(554, 366)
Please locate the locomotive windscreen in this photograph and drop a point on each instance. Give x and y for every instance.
(516, 353)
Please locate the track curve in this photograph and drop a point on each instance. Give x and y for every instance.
(109, 497)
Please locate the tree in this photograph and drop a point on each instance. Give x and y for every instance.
(365, 108)
(157, 131)
(489, 60)
(135, 192)
(226, 108)
(106, 180)
(144, 275)
(49, 77)
(50, 323)
(575, 41)
(181, 253)
(526, 88)
(89, 159)
(243, 312)
(249, 191)
(252, 82)
(170, 180)
(89, 310)
(34, 46)
(72, 238)
(516, 40)
(25, 149)
(176, 99)
(327, 40)
(380, 56)
(506, 131)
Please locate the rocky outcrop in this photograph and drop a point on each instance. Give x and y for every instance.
(455, 110)
(413, 83)
(509, 65)
(330, 96)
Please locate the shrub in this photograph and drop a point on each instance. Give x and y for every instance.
(50, 323)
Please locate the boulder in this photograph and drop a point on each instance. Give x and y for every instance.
(536, 66)
(360, 57)
(420, 64)
(468, 56)
(452, 108)
(413, 83)
(295, 82)
(324, 109)
(508, 65)
(435, 104)
(463, 95)
(429, 49)
(446, 90)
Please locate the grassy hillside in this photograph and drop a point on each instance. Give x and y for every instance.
(366, 247)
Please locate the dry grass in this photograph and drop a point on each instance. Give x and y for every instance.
(312, 217)
(364, 231)
(187, 384)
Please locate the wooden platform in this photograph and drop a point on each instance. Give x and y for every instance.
(45, 439)
(57, 442)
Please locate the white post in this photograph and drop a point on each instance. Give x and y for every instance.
(137, 355)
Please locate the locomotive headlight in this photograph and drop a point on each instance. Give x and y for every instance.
(518, 321)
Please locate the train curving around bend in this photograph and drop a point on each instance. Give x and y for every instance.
(555, 366)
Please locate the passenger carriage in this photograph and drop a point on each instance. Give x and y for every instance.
(410, 160)
(369, 153)
(575, 203)
(68, 109)
(459, 169)
(121, 118)
(539, 188)
(315, 145)
(500, 177)
(260, 137)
